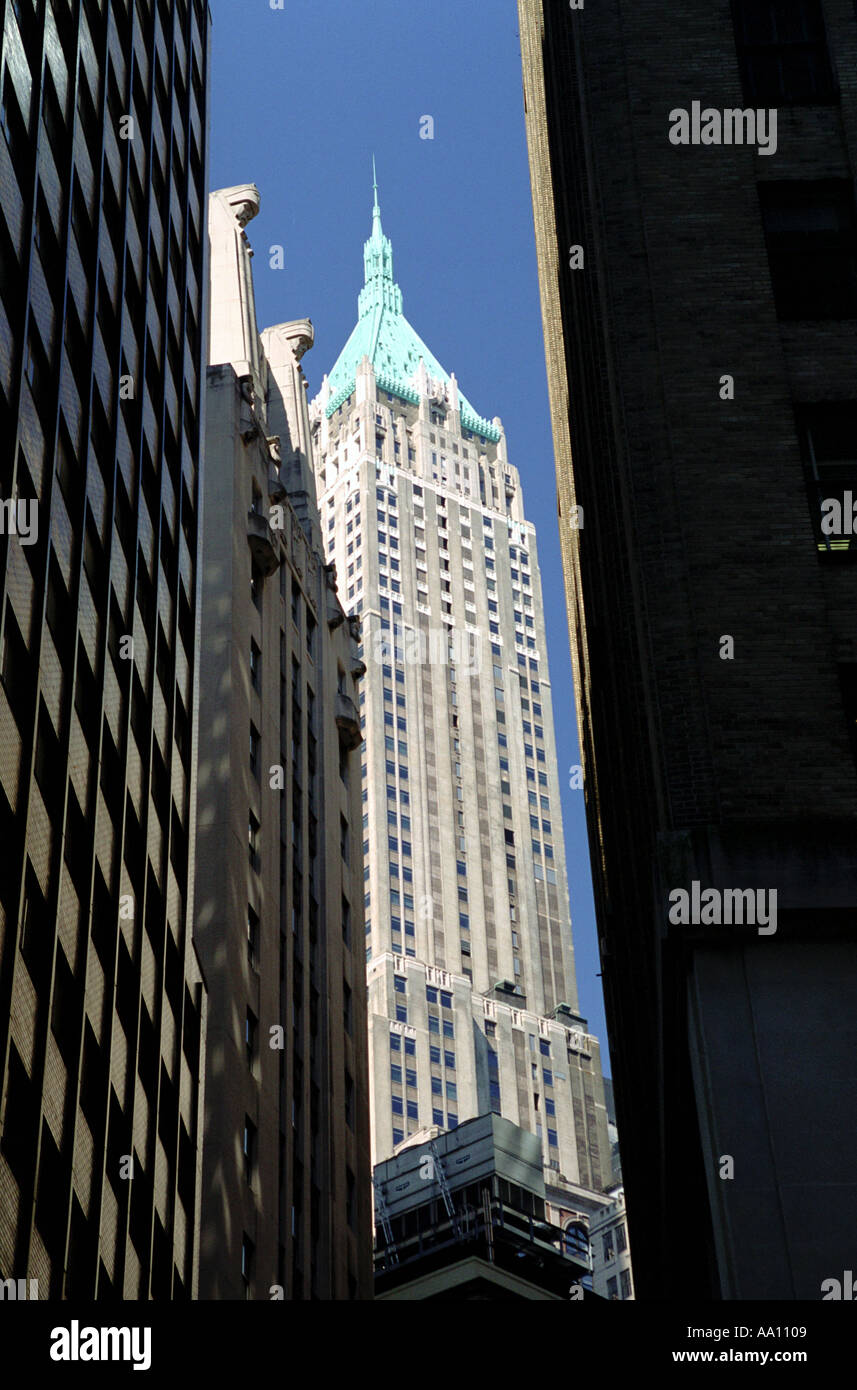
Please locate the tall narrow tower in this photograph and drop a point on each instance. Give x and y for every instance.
(285, 1206)
(472, 994)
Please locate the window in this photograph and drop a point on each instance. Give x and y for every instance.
(607, 1240)
(621, 1238)
(611, 1289)
(782, 52)
(253, 834)
(828, 439)
(249, 1147)
(576, 1239)
(255, 745)
(812, 247)
(247, 1251)
(252, 936)
(251, 1029)
(255, 665)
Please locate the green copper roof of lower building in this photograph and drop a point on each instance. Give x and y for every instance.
(384, 335)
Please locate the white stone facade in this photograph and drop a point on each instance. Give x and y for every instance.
(612, 1276)
(465, 873)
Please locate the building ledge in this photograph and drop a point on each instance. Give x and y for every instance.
(348, 722)
(263, 543)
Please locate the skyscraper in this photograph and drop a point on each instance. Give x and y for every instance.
(472, 994)
(700, 313)
(102, 324)
(286, 1174)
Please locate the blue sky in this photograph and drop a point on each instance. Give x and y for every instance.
(301, 99)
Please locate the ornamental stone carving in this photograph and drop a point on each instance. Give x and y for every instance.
(244, 201)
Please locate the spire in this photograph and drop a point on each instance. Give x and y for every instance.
(399, 358)
(379, 289)
(376, 211)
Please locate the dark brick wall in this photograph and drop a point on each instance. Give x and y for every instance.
(697, 525)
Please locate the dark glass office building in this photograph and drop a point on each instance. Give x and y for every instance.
(700, 312)
(102, 329)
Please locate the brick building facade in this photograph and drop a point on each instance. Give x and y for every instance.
(702, 506)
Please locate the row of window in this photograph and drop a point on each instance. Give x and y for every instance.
(782, 52)
(437, 1118)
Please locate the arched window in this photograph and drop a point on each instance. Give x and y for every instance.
(576, 1239)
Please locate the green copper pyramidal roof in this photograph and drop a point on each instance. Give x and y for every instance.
(384, 335)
